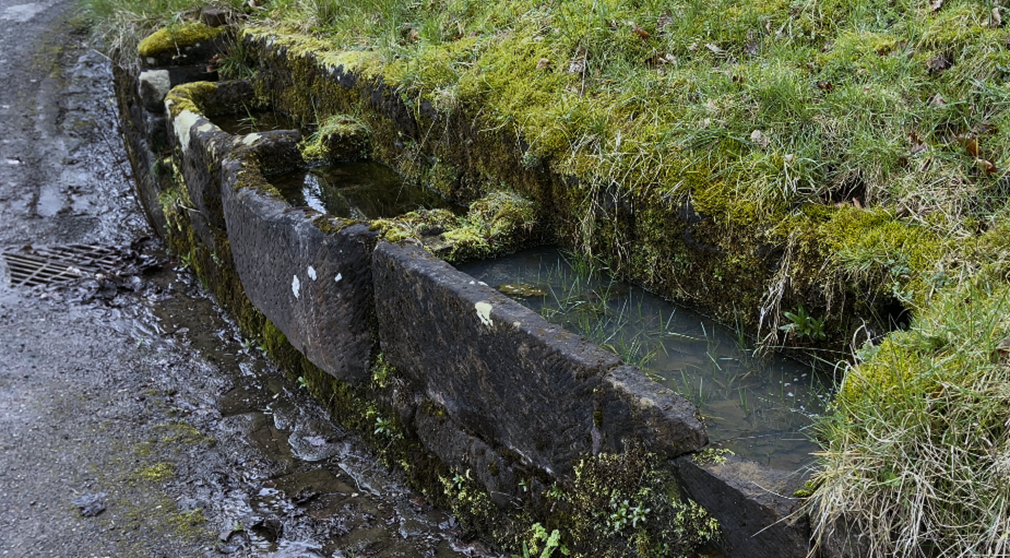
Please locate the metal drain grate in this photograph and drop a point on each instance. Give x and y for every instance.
(38, 265)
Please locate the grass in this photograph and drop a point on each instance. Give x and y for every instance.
(917, 454)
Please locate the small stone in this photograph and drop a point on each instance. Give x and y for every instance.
(91, 504)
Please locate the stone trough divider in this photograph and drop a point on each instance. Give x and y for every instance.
(514, 392)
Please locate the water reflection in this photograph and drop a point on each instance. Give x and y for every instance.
(356, 190)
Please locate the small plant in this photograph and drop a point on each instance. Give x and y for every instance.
(185, 262)
(383, 426)
(381, 372)
(625, 513)
(803, 325)
(302, 382)
(551, 543)
(555, 492)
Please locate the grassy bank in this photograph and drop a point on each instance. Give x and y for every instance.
(848, 157)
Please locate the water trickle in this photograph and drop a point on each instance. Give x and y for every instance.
(760, 408)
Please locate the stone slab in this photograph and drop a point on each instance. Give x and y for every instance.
(315, 287)
(499, 369)
(753, 503)
(630, 405)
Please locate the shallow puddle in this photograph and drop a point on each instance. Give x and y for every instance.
(358, 190)
(760, 408)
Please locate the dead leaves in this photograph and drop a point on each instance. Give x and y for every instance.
(758, 137)
(939, 63)
(968, 141)
(577, 64)
(995, 19)
(987, 167)
(642, 33)
(971, 145)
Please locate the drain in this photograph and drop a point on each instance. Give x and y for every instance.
(38, 265)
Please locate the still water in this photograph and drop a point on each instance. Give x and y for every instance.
(760, 408)
(250, 122)
(356, 190)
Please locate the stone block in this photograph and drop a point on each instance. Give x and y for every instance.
(153, 85)
(200, 148)
(5, 276)
(214, 17)
(630, 405)
(190, 44)
(315, 287)
(467, 453)
(753, 503)
(503, 372)
(155, 129)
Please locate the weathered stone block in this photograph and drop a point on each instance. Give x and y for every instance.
(153, 85)
(315, 287)
(630, 405)
(199, 149)
(752, 503)
(496, 367)
(504, 373)
(5, 276)
(192, 43)
(155, 127)
(467, 453)
(214, 17)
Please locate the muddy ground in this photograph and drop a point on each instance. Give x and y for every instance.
(134, 419)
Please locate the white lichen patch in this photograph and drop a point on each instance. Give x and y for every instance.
(296, 285)
(250, 139)
(182, 125)
(484, 313)
(312, 273)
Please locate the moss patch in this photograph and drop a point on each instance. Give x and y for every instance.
(173, 37)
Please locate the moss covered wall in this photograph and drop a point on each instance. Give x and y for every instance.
(699, 246)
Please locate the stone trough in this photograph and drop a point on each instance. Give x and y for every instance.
(479, 382)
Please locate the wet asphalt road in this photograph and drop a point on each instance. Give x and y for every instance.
(135, 394)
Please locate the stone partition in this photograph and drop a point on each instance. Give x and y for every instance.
(512, 378)
(315, 287)
(481, 383)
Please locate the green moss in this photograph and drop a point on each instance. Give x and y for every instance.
(157, 472)
(188, 524)
(189, 97)
(711, 456)
(339, 138)
(180, 433)
(628, 504)
(174, 37)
